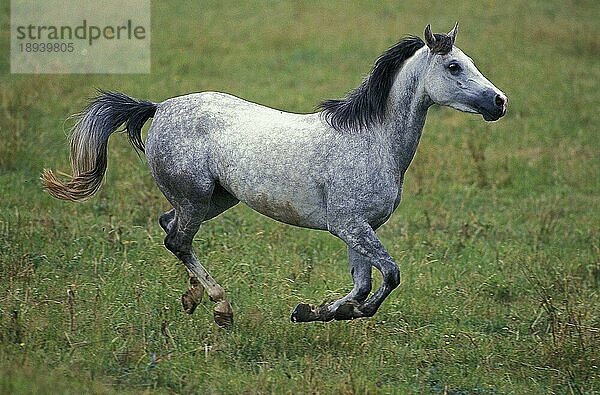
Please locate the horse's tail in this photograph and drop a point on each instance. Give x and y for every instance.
(89, 142)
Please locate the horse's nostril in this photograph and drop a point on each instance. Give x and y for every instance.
(499, 100)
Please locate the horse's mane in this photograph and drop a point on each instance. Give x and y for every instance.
(366, 104)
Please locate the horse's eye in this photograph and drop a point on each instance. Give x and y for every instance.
(454, 68)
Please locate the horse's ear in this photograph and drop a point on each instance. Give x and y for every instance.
(429, 37)
(452, 33)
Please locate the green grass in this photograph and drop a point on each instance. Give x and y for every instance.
(497, 237)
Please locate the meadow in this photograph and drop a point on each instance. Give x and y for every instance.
(497, 237)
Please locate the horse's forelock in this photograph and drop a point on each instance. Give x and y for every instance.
(443, 44)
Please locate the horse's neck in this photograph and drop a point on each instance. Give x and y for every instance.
(406, 117)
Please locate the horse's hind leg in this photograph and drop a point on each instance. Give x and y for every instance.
(220, 201)
(194, 294)
(187, 220)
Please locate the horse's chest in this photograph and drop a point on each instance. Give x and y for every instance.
(373, 199)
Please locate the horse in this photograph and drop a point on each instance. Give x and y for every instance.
(340, 169)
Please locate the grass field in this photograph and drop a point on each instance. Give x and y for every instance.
(498, 235)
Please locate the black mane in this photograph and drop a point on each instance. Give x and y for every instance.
(366, 104)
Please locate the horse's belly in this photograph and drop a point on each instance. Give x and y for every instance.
(296, 210)
(292, 197)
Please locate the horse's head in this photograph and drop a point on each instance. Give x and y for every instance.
(453, 80)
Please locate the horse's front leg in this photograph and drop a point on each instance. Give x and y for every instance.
(365, 250)
(360, 269)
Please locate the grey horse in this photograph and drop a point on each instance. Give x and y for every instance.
(340, 169)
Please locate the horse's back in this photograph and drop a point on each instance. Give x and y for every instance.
(269, 159)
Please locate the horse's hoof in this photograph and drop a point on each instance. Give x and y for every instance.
(192, 298)
(223, 314)
(304, 313)
(348, 311)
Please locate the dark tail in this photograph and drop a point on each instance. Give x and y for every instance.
(89, 142)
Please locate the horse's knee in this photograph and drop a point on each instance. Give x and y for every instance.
(166, 219)
(391, 276)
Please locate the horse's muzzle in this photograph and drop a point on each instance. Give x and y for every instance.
(493, 106)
